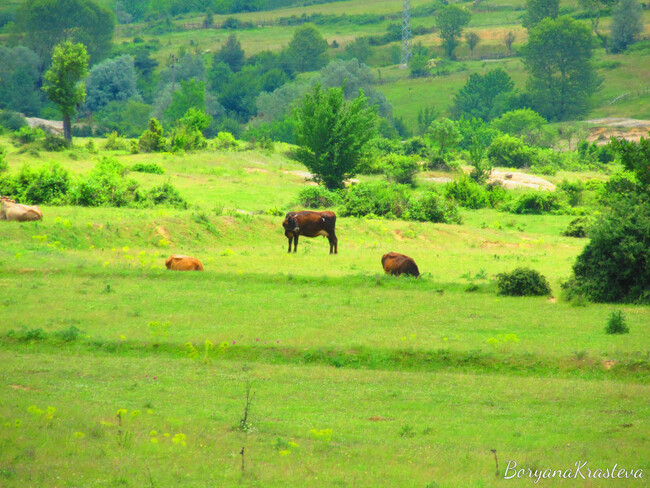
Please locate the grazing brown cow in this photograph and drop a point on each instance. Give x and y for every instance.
(396, 264)
(177, 262)
(311, 224)
(10, 210)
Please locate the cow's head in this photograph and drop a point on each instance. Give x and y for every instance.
(291, 223)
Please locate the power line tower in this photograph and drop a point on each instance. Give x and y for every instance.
(406, 34)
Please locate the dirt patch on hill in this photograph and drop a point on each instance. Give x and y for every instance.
(512, 179)
(51, 125)
(621, 128)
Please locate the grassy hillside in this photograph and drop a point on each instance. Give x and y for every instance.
(117, 372)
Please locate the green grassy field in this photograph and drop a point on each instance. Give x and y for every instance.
(359, 379)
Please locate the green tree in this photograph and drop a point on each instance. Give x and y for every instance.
(595, 9)
(523, 123)
(64, 81)
(450, 21)
(111, 80)
(358, 49)
(537, 10)
(46, 23)
(445, 134)
(19, 77)
(307, 49)
(472, 39)
(333, 134)
(231, 53)
(191, 95)
(558, 58)
(484, 96)
(627, 24)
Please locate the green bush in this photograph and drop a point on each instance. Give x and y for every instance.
(523, 282)
(381, 199)
(400, 169)
(616, 323)
(432, 207)
(577, 228)
(105, 186)
(167, 195)
(497, 195)
(615, 265)
(47, 185)
(225, 141)
(151, 168)
(152, 139)
(27, 135)
(11, 121)
(573, 191)
(511, 152)
(318, 197)
(4, 166)
(115, 143)
(52, 143)
(467, 193)
(536, 202)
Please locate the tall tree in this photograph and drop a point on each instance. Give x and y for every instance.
(230, 53)
(627, 24)
(484, 96)
(307, 49)
(45, 23)
(451, 21)
(111, 80)
(595, 8)
(472, 39)
(537, 10)
(333, 134)
(558, 58)
(64, 81)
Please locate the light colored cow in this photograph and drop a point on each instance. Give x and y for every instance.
(178, 262)
(10, 210)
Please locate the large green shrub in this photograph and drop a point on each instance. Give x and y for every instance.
(511, 152)
(318, 197)
(615, 265)
(106, 185)
(523, 282)
(380, 199)
(432, 207)
(47, 185)
(401, 169)
(167, 195)
(11, 121)
(536, 202)
(151, 168)
(152, 139)
(467, 193)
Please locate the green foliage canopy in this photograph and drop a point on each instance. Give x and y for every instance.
(333, 134)
(307, 49)
(451, 20)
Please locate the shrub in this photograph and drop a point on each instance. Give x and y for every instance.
(523, 282)
(510, 152)
(416, 146)
(166, 194)
(152, 139)
(467, 193)
(616, 323)
(318, 197)
(52, 142)
(432, 207)
(12, 121)
(115, 143)
(573, 191)
(4, 166)
(151, 168)
(225, 141)
(380, 199)
(400, 169)
(577, 228)
(26, 134)
(536, 202)
(105, 186)
(615, 265)
(45, 185)
(497, 195)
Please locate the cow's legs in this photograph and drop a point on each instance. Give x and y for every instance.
(295, 243)
(290, 239)
(334, 243)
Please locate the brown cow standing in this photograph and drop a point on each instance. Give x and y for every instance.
(10, 210)
(177, 262)
(310, 224)
(396, 264)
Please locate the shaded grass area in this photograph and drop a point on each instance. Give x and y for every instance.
(313, 426)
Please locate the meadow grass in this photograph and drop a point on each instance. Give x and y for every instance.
(377, 380)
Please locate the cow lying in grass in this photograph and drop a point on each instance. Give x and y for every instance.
(10, 210)
(311, 224)
(397, 264)
(177, 262)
